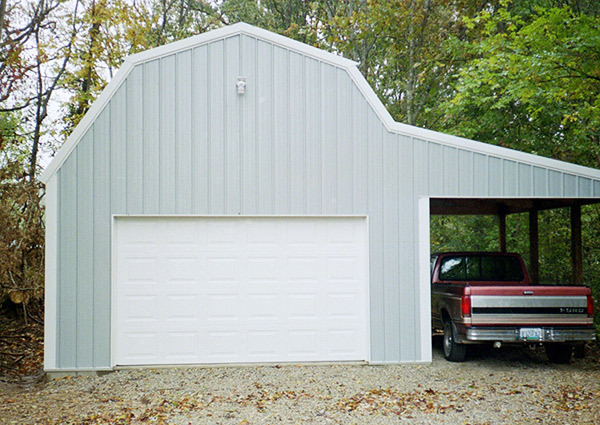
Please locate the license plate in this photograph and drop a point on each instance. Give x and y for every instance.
(531, 334)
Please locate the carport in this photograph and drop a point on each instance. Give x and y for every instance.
(502, 207)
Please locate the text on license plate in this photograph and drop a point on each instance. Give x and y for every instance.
(531, 334)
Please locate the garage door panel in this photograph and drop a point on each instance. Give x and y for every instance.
(303, 269)
(341, 341)
(140, 307)
(219, 290)
(263, 345)
(223, 307)
(140, 345)
(182, 344)
(303, 305)
(222, 234)
(138, 269)
(263, 269)
(224, 345)
(181, 269)
(181, 307)
(263, 306)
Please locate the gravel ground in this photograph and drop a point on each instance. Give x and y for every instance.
(508, 385)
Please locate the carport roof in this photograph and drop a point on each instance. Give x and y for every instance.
(493, 206)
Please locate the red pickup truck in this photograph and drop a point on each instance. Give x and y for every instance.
(481, 297)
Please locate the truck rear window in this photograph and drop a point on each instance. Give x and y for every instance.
(484, 268)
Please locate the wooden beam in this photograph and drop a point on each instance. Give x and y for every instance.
(534, 247)
(576, 245)
(502, 230)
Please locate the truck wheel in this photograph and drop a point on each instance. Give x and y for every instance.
(453, 351)
(559, 353)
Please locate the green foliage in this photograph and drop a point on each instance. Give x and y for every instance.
(534, 86)
(407, 51)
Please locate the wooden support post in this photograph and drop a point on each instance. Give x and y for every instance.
(534, 250)
(576, 245)
(501, 230)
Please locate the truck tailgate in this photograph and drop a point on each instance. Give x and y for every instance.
(529, 306)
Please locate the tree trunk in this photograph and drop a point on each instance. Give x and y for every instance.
(411, 81)
(2, 13)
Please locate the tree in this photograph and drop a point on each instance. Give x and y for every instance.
(21, 222)
(407, 50)
(535, 86)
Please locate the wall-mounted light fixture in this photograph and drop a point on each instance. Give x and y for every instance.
(241, 85)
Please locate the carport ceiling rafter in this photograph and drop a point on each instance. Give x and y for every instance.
(494, 206)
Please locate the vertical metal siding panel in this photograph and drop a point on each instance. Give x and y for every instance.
(51, 274)
(102, 239)
(525, 180)
(408, 184)
(421, 166)
(540, 181)
(135, 147)
(555, 183)
(185, 152)
(465, 172)
(249, 125)
(118, 149)
(511, 178)
(596, 188)
(569, 185)
(494, 176)
(344, 142)
(85, 252)
(265, 130)
(451, 165)
(202, 111)
(376, 232)
(329, 138)
(480, 173)
(281, 154)
(168, 136)
(360, 144)
(391, 275)
(585, 187)
(216, 83)
(436, 169)
(416, 161)
(151, 132)
(297, 122)
(313, 137)
(233, 108)
(67, 264)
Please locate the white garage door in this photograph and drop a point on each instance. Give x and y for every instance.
(230, 290)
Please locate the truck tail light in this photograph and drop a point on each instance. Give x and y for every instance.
(466, 306)
(590, 306)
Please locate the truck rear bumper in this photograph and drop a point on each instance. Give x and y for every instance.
(554, 334)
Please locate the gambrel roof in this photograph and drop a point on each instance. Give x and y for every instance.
(350, 67)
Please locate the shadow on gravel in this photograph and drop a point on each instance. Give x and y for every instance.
(512, 356)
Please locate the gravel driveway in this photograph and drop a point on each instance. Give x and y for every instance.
(493, 387)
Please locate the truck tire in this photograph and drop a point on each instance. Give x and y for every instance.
(453, 351)
(559, 352)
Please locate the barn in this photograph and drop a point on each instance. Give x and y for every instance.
(240, 197)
